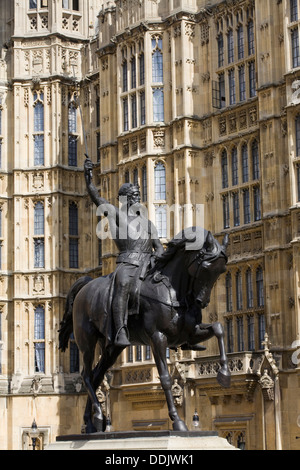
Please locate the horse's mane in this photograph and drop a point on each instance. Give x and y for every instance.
(191, 238)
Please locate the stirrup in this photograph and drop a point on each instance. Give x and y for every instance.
(121, 338)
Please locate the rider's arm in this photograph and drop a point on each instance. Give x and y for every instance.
(158, 247)
(156, 243)
(108, 210)
(92, 190)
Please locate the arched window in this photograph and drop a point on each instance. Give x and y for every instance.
(39, 114)
(39, 253)
(72, 118)
(295, 47)
(257, 203)
(293, 10)
(157, 60)
(135, 177)
(144, 184)
(242, 82)
(236, 208)
(72, 126)
(251, 332)
(39, 242)
(230, 46)
(142, 68)
(38, 129)
(160, 181)
(249, 288)
(73, 219)
(231, 80)
(74, 355)
(125, 115)
(234, 166)
(226, 215)
(158, 105)
(220, 50)
(39, 339)
(245, 166)
(239, 290)
(39, 219)
(255, 160)
(224, 165)
(246, 203)
(161, 221)
(73, 235)
(261, 330)
(228, 292)
(125, 76)
(260, 287)
(240, 36)
(133, 72)
(241, 444)
(133, 111)
(142, 108)
(251, 45)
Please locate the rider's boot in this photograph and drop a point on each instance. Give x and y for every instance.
(121, 338)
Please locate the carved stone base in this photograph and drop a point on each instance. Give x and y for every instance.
(143, 440)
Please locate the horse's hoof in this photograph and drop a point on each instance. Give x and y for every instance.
(97, 418)
(224, 378)
(98, 423)
(179, 426)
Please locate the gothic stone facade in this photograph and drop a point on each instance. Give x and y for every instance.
(197, 101)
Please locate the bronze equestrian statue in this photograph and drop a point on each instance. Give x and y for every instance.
(164, 311)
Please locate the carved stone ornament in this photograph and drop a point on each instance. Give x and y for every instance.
(36, 386)
(267, 385)
(295, 98)
(177, 393)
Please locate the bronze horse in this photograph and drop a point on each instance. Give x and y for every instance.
(168, 314)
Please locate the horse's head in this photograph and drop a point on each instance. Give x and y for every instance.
(194, 260)
(205, 266)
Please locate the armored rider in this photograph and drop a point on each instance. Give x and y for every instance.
(136, 248)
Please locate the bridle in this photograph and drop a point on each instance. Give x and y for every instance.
(204, 259)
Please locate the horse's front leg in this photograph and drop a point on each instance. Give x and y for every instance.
(159, 346)
(224, 374)
(203, 332)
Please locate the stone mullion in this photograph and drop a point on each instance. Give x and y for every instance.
(184, 71)
(148, 80)
(173, 75)
(177, 214)
(56, 123)
(188, 213)
(151, 189)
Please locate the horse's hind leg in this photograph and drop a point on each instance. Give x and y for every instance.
(159, 346)
(108, 358)
(86, 342)
(96, 412)
(223, 376)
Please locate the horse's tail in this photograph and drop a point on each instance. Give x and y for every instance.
(66, 325)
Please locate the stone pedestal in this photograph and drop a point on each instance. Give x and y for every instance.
(143, 440)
